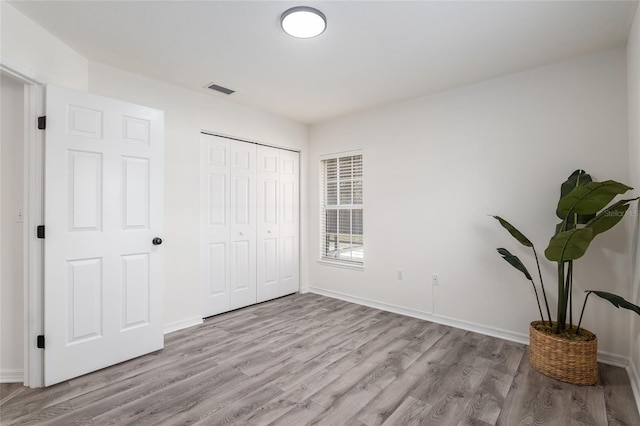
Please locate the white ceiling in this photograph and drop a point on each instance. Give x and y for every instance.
(372, 53)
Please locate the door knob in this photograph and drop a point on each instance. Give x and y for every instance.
(157, 241)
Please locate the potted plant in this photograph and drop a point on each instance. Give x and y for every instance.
(559, 348)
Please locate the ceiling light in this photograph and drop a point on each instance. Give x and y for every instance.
(303, 22)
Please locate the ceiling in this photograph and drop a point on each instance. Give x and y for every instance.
(372, 53)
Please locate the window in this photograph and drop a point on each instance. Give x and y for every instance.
(341, 238)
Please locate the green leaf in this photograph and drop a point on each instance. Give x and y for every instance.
(514, 261)
(577, 178)
(616, 300)
(609, 217)
(590, 198)
(514, 232)
(569, 245)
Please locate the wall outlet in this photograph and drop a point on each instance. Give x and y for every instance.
(20, 215)
(399, 275)
(435, 280)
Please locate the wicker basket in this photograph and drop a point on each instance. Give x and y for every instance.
(564, 360)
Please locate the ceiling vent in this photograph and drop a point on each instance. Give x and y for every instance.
(220, 89)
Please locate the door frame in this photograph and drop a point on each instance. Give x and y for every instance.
(33, 193)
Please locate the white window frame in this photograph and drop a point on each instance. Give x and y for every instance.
(356, 262)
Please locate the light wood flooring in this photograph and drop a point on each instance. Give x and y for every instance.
(308, 359)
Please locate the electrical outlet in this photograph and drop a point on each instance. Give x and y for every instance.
(399, 275)
(20, 215)
(435, 280)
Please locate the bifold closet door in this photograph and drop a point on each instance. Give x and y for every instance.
(243, 225)
(250, 221)
(289, 203)
(268, 274)
(216, 229)
(229, 224)
(278, 223)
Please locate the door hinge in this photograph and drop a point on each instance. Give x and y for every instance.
(40, 231)
(40, 341)
(42, 122)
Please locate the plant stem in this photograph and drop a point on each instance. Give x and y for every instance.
(568, 287)
(584, 305)
(562, 304)
(537, 300)
(544, 293)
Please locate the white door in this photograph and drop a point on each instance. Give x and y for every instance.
(216, 229)
(103, 209)
(289, 255)
(268, 212)
(243, 224)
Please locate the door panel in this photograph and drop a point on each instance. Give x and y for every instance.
(103, 207)
(270, 250)
(268, 229)
(217, 195)
(217, 270)
(289, 257)
(84, 299)
(270, 202)
(241, 266)
(135, 199)
(85, 191)
(242, 205)
(216, 229)
(136, 289)
(243, 227)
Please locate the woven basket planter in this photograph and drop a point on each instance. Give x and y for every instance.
(565, 360)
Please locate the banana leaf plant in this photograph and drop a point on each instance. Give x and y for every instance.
(585, 213)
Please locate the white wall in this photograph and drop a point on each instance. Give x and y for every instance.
(11, 243)
(38, 53)
(633, 75)
(187, 113)
(436, 166)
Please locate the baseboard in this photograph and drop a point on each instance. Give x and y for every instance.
(11, 376)
(304, 290)
(439, 319)
(613, 359)
(180, 325)
(634, 378)
(603, 357)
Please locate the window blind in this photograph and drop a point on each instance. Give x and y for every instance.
(341, 216)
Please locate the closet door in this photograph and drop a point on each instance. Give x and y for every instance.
(243, 224)
(268, 256)
(216, 230)
(250, 223)
(289, 218)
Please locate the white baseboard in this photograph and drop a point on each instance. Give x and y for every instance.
(181, 325)
(613, 359)
(603, 357)
(304, 290)
(634, 378)
(11, 376)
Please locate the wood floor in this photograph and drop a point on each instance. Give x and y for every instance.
(308, 359)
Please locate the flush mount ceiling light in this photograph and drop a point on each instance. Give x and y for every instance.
(303, 22)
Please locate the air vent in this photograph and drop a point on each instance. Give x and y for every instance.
(220, 89)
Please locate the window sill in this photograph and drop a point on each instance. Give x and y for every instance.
(353, 266)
